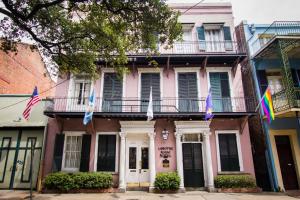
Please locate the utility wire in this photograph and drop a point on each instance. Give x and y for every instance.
(68, 79)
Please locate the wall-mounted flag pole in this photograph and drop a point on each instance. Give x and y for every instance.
(33, 101)
(267, 105)
(90, 109)
(150, 107)
(209, 106)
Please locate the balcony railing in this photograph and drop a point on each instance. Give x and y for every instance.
(131, 105)
(200, 47)
(282, 102)
(277, 28)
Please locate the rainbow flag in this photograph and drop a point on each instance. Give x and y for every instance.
(267, 105)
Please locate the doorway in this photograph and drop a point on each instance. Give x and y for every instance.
(286, 161)
(193, 165)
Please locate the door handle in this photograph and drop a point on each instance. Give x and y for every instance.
(140, 170)
(289, 164)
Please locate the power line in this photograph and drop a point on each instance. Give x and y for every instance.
(193, 6)
(30, 97)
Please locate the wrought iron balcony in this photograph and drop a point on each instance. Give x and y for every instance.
(283, 102)
(164, 105)
(277, 28)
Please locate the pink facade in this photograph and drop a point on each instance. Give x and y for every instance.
(69, 110)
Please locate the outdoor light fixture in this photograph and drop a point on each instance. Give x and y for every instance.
(165, 134)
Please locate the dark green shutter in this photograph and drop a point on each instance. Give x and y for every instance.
(188, 92)
(220, 90)
(228, 152)
(148, 80)
(262, 80)
(112, 93)
(58, 152)
(227, 38)
(201, 38)
(85, 153)
(106, 153)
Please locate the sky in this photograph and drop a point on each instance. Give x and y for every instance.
(259, 11)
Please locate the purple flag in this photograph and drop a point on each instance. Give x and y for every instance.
(209, 106)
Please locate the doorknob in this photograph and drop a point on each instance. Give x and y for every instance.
(289, 164)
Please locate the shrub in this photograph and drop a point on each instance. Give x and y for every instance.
(235, 181)
(81, 180)
(167, 181)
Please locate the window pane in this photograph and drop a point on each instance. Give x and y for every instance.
(145, 158)
(228, 152)
(132, 157)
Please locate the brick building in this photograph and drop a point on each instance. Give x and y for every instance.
(21, 71)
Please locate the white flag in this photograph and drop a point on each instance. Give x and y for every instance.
(150, 107)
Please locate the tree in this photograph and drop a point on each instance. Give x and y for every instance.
(77, 33)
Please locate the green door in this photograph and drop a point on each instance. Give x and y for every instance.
(15, 157)
(8, 143)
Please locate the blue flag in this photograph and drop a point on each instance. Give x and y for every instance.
(90, 109)
(209, 106)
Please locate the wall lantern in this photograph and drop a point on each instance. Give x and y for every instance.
(165, 134)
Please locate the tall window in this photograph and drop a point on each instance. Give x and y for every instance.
(188, 92)
(228, 151)
(82, 91)
(215, 40)
(220, 89)
(72, 152)
(106, 153)
(149, 80)
(112, 93)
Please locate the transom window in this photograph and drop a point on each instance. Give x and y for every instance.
(72, 152)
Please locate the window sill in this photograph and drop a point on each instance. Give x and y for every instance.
(232, 173)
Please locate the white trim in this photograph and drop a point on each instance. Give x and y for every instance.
(230, 79)
(69, 133)
(149, 70)
(186, 70)
(238, 142)
(117, 149)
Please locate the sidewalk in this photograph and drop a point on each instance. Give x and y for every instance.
(197, 195)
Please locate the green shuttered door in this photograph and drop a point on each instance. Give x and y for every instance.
(112, 93)
(148, 80)
(188, 92)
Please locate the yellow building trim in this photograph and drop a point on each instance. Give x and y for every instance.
(292, 133)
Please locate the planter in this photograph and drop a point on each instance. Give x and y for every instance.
(239, 190)
(107, 190)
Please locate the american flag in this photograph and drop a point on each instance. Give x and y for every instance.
(34, 100)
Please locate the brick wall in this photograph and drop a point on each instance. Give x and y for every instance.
(21, 71)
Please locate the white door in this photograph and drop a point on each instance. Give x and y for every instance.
(137, 164)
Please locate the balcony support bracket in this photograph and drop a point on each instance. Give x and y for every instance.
(244, 121)
(235, 66)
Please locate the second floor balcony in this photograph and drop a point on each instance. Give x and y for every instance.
(163, 106)
(283, 102)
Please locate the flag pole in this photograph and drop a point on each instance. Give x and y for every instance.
(259, 103)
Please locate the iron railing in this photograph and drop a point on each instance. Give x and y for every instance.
(282, 101)
(277, 28)
(236, 104)
(199, 47)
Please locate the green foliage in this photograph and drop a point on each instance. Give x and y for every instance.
(234, 181)
(81, 180)
(76, 34)
(167, 181)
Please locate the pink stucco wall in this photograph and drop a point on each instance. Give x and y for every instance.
(160, 125)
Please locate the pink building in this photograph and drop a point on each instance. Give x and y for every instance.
(120, 140)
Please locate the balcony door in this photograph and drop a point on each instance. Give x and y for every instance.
(80, 91)
(188, 92)
(215, 40)
(220, 89)
(112, 93)
(186, 46)
(149, 80)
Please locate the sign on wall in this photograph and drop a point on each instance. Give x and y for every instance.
(165, 154)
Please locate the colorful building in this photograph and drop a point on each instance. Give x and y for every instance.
(120, 140)
(274, 62)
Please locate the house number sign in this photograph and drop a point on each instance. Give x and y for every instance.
(165, 154)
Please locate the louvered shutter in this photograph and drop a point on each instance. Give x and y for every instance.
(58, 152)
(220, 90)
(227, 38)
(201, 38)
(228, 152)
(106, 153)
(148, 80)
(262, 81)
(85, 153)
(112, 93)
(188, 92)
